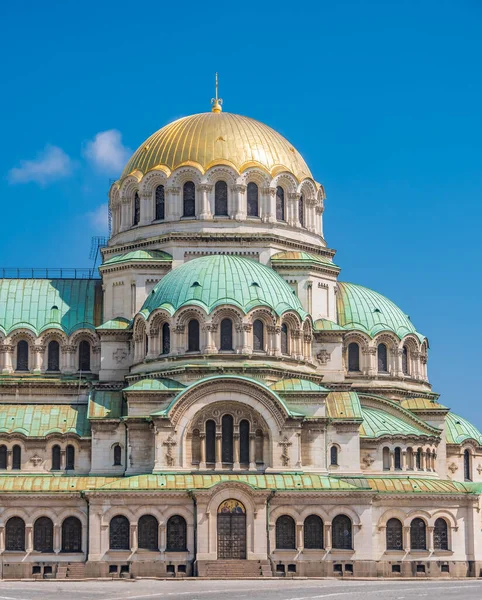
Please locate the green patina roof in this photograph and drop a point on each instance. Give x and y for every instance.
(210, 281)
(326, 325)
(155, 385)
(458, 430)
(39, 420)
(422, 404)
(343, 405)
(377, 423)
(416, 485)
(297, 385)
(139, 256)
(363, 309)
(296, 257)
(105, 405)
(40, 304)
(117, 323)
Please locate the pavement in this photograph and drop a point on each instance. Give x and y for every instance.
(195, 589)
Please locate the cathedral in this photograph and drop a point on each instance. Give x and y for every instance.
(216, 401)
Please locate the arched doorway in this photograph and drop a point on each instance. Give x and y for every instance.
(231, 530)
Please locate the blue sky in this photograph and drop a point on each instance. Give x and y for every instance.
(383, 99)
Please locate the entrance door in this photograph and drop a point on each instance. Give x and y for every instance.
(231, 530)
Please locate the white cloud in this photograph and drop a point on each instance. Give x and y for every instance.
(51, 164)
(99, 218)
(106, 151)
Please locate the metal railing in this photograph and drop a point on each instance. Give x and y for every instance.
(39, 273)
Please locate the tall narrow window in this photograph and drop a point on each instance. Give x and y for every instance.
(353, 357)
(382, 358)
(259, 446)
(418, 459)
(71, 535)
(244, 442)
(284, 339)
(117, 455)
(313, 533)
(16, 458)
(119, 533)
(22, 356)
(176, 535)
(137, 209)
(210, 442)
(226, 334)
(189, 199)
(398, 459)
(166, 338)
(394, 534)
(418, 537)
(405, 360)
(160, 203)
(301, 210)
(285, 533)
(221, 199)
(53, 356)
(333, 456)
(15, 535)
(56, 458)
(193, 336)
(467, 466)
(227, 439)
(280, 204)
(342, 534)
(148, 532)
(3, 456)
(440, 535)
(70, 458)
(43, 535)
(258, 336)
(84, 356)
(253, 200)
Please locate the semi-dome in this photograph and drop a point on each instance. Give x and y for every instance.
(362, 309)
(206, 139)
(211, 281)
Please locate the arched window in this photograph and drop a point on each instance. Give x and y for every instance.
(284, 339)
(313, 533)
(259, 446)
(258, 336)
(15, 535)
(333, 456)
(176, 534)
(189, 199)
(405, 360)
(244, 442)
(210, 442)
(285, 533)
(117, 455)
(53, 356)
(160, 203)
(71, 535)
(148, 532)
(221, 199)
(394, 535)
(146, 345)
(193, 336)
(467, 466)
(137, 209)
(398, 459)
(70, 458)
(280, 204)
(253, 208)
(84, 356)
(386, 459)
(43, 535)
(301, 210)
(353, 357)
(418, 459)
(56, 458)
(226, 334)
(342, 535)
(227, 439)
(3, 456)
(418, 537)
(16, 457)
(382, 358)
(119, 533)
(22, 356)
(440, 535)
(166, 338)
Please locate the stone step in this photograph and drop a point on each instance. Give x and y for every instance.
(237, 568)
(76, 570)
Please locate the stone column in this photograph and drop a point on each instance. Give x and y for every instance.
(147, 212)
(69, 358)
(415, 360)
(392, 460)
(9, 460)
(219, 440)
(133, 537)
(238, 192)
(404, 460)
(153, 343)
(424, 464)
(236, 448)
(162, 537)
(430, 540)
(202, 458)
(38, 352)
(246, 345)
(7, 351)
(294, 209)
(371, 355)
(29, 538)
(299, 537)
(327, 536)
(172, 205)
(397, 360)
(179, 340)
(62, 460)
(206, 211)
(269, 197)
(275, 336)
(210, 347)
(298, 441)
(57, 541)
(252, 451)
(406, 539)
(125, 214)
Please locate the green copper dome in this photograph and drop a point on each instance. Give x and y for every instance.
(363, 309)
(211, 281)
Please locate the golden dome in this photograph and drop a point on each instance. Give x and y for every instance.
(207, 139)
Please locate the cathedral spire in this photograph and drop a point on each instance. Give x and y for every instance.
(217, 102)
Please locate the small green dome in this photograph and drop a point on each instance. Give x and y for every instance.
(211, 281)
(362, 309)
(458, 430)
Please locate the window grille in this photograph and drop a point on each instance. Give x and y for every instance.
(119, 533)
(285, 533)
(43, 535)
(160, 203)
(210, 441)
(176, 534)
(284, 339)
(418, 538)
(70, 458)
(467, 466)
(148, 532)
(193, 335)
(71, 535)
(16, 458)
(137, 209)
(440, 535)
(394, 535)
(382, 358)
(22, 356)
(244, 442)
(405, 360)
(342, 533)
(313, 532)
(227, 439)
(166, 339)
(301, 210)
(15, 535)
(258, 336)
(117, 455)
(280, 204)
(56, 458)
(353, 357)
(53, 356)
(398, 459)
(221, 199)
(84, 356)
(226, 334)
(253, 209)
(333, 455)
(189, 199)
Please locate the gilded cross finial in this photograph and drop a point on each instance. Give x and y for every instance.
(217, 102)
